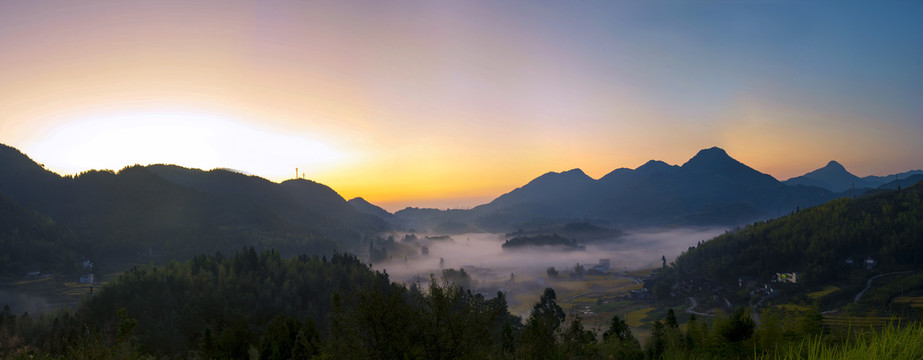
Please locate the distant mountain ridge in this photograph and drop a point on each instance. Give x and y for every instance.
(710, 189)
(364, 206)
(836, 178)
(833, 177)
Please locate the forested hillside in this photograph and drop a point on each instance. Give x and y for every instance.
(32, 242)
(818, 242)
(275, 307)
(163, 212)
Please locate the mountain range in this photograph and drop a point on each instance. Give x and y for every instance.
(177, 212)
(711, 189)
(836, 178)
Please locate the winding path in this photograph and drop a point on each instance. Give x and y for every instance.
(694, 304)
(868, 284)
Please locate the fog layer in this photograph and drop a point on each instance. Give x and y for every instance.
(481, 254)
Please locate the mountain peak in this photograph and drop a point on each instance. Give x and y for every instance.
(833, 177)
(713, 151)
(833, 165)
(572, 174)
(832, 168)
(651, 163)
(655, 167)
(575, 172)
(711, 157)
(364, 206)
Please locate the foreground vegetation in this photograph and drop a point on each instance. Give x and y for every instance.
(265, 306)
(890, 343)
(826, 245)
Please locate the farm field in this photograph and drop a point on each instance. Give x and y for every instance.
(912, 301)
(48, 293)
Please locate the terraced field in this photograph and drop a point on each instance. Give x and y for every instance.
(635, 318)
(912, 301)
(858, 322)
(793, 307)
(826, 291)
(47, 293)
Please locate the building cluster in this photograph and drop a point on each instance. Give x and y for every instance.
(869, 262)
(87, 277)
(602, 268)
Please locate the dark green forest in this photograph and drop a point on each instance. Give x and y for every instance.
(816, 242)
(30, 241)
(266, 306)
(551, 240)
(165, 212)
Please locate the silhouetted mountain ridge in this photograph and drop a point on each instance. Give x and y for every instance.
(833, 177)
(711, 188)
(364, 206)
(177, 212)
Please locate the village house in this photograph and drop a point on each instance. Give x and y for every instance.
(791, 277)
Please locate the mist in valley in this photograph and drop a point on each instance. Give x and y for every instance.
(524, 270)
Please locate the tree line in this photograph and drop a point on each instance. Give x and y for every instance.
(817, 242)
(262, 305)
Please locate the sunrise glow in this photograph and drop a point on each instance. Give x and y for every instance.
(450, 103)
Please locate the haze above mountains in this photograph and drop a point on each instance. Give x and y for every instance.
(836, 178)
(711, 189)
(181, 211)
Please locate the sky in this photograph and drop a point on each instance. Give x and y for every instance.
(450, 104)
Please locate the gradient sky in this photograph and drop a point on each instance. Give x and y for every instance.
(450, 104)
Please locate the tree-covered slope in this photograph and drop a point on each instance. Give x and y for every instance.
(175, 212)
(234, 299)
(31, 242)
(888, 227)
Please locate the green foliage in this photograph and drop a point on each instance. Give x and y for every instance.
(889, 343)
(553, 240)
(30, 241)
(812, 323)
(662, 289)
(670, 321)
(739, 327)
(552, 272)
(164, 211)
(260, 305)
(817, 241)
(459, 277)
(236, 299)
(618, 342)
(538, 340)
(617, 328)
(579, 270)
(577, 341)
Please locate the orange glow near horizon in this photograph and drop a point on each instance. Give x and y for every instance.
(453, 104)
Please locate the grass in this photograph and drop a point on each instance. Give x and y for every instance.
(912, 301)
(636, 318)
(793, 307)
(891, 342)
(76, 289)
(843, 321)
(35, 281)
(45, 294)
